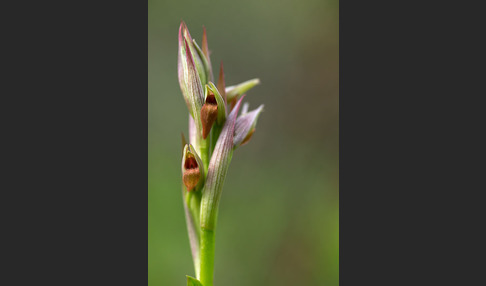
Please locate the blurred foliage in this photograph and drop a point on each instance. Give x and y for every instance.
(279, 222)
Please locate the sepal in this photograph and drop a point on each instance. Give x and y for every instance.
(235, 91)
(245, 126)
(206, 63)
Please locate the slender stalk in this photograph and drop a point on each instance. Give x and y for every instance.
(215, 131)
(206, 257)
(192, 208)
(193, 201)
(204, 151)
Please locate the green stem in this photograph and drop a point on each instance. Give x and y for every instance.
(207, 257)
(204, 152)
(205, 271)
(193, 202)
(215, 132)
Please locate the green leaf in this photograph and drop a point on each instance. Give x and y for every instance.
(193, 281)
(236, 90)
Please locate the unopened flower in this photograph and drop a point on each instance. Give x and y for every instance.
(201, 62)
(189, 80)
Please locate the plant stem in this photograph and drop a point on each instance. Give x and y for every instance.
(215, 132)
(207, 257)
(204, 151)
(192, 202)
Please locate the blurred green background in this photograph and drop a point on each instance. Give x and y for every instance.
(278, 222)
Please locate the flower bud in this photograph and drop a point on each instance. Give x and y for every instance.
(189, 80)
(198, 61)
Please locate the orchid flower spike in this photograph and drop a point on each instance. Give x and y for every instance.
(215, 132)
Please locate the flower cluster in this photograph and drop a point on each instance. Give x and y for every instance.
(215, 131)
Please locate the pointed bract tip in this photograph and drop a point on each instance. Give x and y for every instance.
(205, 48)
(238, 104)
(184, 33)
(234, 101)
(182, 28)
(221, 83)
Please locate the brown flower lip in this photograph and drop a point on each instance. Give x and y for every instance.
(209, 113)
(191, 173)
